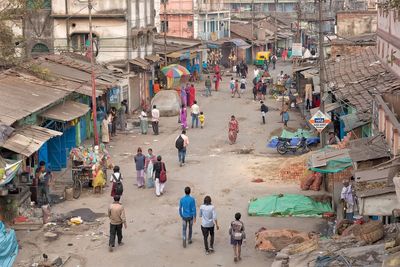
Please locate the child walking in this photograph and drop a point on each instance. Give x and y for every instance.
(201, 119)
(116, 179)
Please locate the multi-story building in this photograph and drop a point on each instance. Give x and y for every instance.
(388, 38)
(122, 29)
(198, 19)
(243, 8)
(123, 33)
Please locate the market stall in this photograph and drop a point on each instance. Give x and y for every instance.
(89, 167)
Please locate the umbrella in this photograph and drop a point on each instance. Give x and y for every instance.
(175, 71)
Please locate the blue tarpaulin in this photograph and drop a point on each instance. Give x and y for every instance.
(295, 136)
(8, 246)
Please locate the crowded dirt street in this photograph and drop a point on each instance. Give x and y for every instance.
(213, 167)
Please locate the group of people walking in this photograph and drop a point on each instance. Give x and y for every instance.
(151, 172)
(208, 215)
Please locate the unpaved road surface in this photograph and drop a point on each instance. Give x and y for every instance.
(153, 236)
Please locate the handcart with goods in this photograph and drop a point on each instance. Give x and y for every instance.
(85, 162)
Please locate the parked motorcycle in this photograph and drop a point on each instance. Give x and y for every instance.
(284, 146)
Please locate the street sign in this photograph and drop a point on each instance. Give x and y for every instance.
(320, 120)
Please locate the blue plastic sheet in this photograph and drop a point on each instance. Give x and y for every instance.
(8, 246)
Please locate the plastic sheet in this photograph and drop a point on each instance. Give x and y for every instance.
(295, 136)
(8, 246)
(288, 205)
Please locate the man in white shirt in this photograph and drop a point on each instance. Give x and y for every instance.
(155, 114)
(195, 111)
(348, 200)
(181, 143)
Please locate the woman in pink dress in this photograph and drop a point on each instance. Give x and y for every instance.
(233, 130)
(183, 117)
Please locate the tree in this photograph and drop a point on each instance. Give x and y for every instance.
(10, 12)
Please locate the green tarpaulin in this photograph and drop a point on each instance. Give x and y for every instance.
(288, 205)
(334, 166)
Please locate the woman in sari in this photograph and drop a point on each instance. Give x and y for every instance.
(183, 117)
(183, 96)
(148, 167)
(217, 79)
(192, 92)
(105, 134)
(187, 89)
(233, 129)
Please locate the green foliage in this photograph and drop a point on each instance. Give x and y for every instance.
(14, 10)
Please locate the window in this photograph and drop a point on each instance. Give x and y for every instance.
(39, 4)
(164, 26)
(80, 41)
(40, 48)
(190, 24)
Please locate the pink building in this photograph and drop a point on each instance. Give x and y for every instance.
(205, 19)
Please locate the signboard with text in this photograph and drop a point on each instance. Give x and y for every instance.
(320, 121)
(297, 50)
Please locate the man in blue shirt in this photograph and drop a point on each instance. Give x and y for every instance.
(187, 211)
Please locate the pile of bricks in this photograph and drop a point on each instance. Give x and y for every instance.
(294, 171)
(339, 177)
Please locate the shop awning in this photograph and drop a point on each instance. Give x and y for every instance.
(328, 107)
(66, 111)
(240, 43)
(142, 63)
(153, 58)
(28, 140)
(174, 55)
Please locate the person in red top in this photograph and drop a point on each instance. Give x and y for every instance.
(192, 92)
(217, 69)
(217, 79)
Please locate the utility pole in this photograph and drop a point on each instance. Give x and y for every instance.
(252, 29)
(276, 28)
(165, 31)
(298, 34)
(94, 104)
(321, 68)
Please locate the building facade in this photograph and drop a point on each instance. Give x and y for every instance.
(205, 20)
(122, 29)
(388, 39)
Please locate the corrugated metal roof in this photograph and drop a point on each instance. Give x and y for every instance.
(357, 77)
(352, 121)
(373, 147)
(28, 140)
(20, 98)
(142, 63)
(66, 111)
(240, 43)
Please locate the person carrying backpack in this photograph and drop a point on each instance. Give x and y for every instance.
(236, 231)
(160, 176)
(181, 143)
(116, 179)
